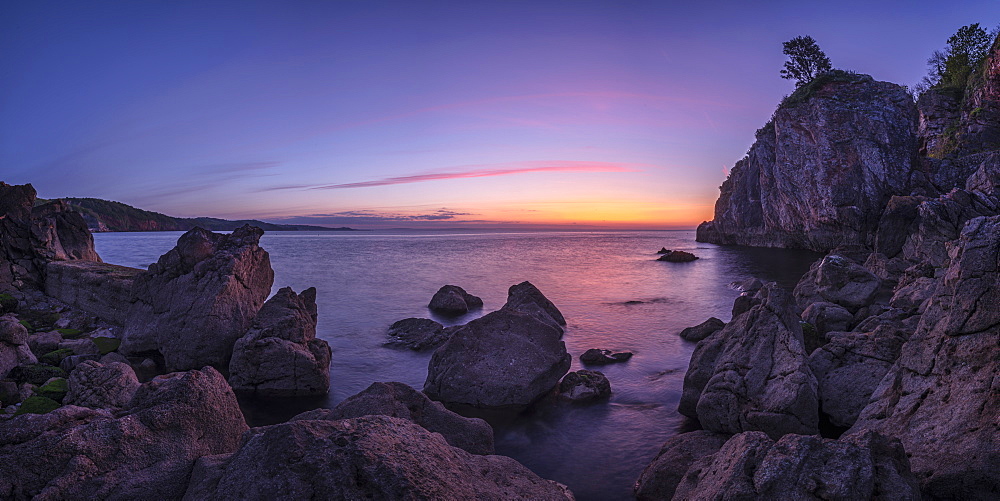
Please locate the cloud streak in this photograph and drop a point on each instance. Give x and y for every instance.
(474, 171)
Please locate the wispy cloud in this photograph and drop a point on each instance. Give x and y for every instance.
(375, 217)
(473, 171)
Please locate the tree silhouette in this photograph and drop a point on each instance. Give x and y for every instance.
(805, 60)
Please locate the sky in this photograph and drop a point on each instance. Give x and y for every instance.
(503, 114)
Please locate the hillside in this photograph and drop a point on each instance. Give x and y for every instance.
(106, 215)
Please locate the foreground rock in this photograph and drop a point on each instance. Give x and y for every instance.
(596, 356)
(753, 374)
(400, 401)
(585, 386)
(702, 330)
(371, 457)
(940, 398)
(99, 386)
(280, 356)
(660, 479)
(506, 359)
(820, 173)
(453, 300)
(198, 299)
(14, 349)
(752, 466)
(676, 256)
(146, 451)
(418, 334)
(839, 280)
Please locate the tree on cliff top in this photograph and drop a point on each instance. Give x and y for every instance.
(950, 68)
(805, 60)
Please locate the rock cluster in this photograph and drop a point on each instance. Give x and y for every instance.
(280, 356)
(198, 299)
(506, 359)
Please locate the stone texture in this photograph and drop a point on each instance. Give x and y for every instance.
(198, 299)
(585, 386)
(280, 356)
(752, 466)
(941, 398)
(827, 317)
(453, 300)
(820, 173)
(702, 330)
(371, 457)
(660, 478)
(839, 280)
(400, 401)
(101, 386)
(596, 356)
(145, 451)
(14, 350)
(418, 334)
(98, 288)
(913, 295)
(44, 342)
(526, 298)
(753, 374)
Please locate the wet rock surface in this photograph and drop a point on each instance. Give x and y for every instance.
(585, 386)
(597, 356)
(199, 298)
(280, 355)
(702, 330)
(371, 457)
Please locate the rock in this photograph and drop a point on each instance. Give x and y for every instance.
(14, 350)
(753, 374)
(99, 386)
(595, 356)
(660, 478)
(702, 330)
(527, 299)
(821, 171)
(453, 300)
(198, 299)
(280, 356)
(83, 346)
(913, 295)
(55, 389)
(938, 112)
(71, 362)
(146, 450)
(585, 386)
(36, 374)
(743, 303)
(8, 304)
(940, 397)
(418, 334)
(370, 457)
(98, 288)
(400, 401)
(749, 285)
(44, 342)
(677, 257)
(752, 466)
(827, 317)
(837, 279)
(663, 250)
(507, 358)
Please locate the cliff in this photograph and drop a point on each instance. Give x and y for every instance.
(823, 170)
(106, 215)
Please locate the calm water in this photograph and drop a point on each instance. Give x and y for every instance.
(366, 281)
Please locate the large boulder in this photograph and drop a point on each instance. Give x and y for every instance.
(753, 374)
(199, 298)
(753, 466)
(400, 401)
(506, 359)
(280, 356)
(101, 386)
(453, 300)
(14, 349)
(146, 450)
(837, 279)
(370, 457)
(660, 478)
(940, 398)
(821, 171)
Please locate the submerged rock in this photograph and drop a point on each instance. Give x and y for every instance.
(280, 356)
(585, 386)
(453, 300)
(146, 450)
(370, 457)
(595, 356)
(199, 298)
(400, 401)
(702, 330)
(419, 334)
(753, 374)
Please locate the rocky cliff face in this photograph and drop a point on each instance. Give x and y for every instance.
(822, 170)
(31, 236)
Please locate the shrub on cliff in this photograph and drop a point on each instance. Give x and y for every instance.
(805, 62)
(949, 69)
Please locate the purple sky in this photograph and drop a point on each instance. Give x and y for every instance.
(369, 114)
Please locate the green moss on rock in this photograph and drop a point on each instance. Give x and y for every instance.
(55, 356)
(8, 304)
(37, 405)
(106, 344)
(70, 333)
(55, 389)
(36, 374)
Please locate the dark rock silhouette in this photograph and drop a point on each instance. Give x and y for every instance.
(677, 257)
(702, 330)
(585, 386)
(419, 334)
(596, 356)
(453, 300)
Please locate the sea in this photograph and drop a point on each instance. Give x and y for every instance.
(608, 284)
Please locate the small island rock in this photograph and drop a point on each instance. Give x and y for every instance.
(585, 386)
(595, 356)
(677, 257)
(453, 300)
